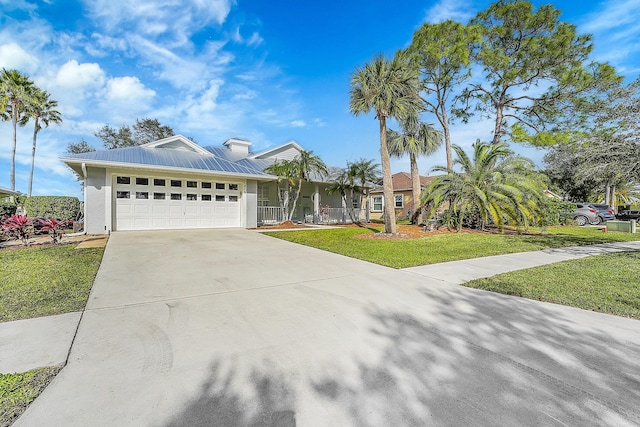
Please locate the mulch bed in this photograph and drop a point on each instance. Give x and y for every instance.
(285, 225)
(407, 232)
(38, 242)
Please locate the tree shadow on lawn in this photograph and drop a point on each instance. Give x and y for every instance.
(469, 358)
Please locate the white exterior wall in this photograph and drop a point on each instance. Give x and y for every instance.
(251, 204)
(97, 191)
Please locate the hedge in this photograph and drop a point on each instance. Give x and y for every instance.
(57, 207)
(7, 208)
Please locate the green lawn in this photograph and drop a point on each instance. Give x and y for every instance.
(444, 247)
(44, 281)
(17, 391)
(606, 283)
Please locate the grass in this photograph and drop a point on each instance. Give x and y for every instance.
(45, 281)
(606, 283)
(17, 391)
(444, 247)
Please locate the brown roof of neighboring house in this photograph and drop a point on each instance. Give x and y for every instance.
(402, 182)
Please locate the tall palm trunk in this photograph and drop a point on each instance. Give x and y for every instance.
(415, 183)
(389, 207)
(295, 200)
(33, 155)
(14, 122)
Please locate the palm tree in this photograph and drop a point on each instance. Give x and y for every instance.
(344, 184)
(284, 170)
(305, 164)
(42, 109)
(15, 90)
(389, 88)
(417, 138)
(494, 186)
(364, 171)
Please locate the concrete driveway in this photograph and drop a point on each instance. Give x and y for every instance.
(233, 328)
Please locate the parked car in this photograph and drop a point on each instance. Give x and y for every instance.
(592, 213)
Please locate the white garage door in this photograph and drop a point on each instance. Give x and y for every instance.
(156, 203)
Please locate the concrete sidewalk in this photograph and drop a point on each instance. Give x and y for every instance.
(233, 328)
(45, 341)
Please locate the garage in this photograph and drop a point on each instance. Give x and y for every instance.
(147, 202)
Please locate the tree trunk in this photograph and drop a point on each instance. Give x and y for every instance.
(612, 198)
(33, 156)
(389, 207)
(295, 200)
(607, 194)
(415, 182)
(14, 121)
(497, 129)
(447, 138)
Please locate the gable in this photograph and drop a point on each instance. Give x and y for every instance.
(287, 151)
(176, 142)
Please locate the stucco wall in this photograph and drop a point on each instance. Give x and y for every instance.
(251, 204)
(95, 201)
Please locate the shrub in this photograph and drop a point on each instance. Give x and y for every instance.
(59, 207)
(7, 208)
(556, 212)
(18, 226)
(53, 227)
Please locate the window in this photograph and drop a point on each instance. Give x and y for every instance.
(159, 182)
(176, 183)
(377, 204)
(263, 195)
(143, 195)
(192, 184)
(158, 196)
(219, 185)
(122, 195)
(219, 198)
(398, 201)
(176, 196)
(123, 180)
(205, 185)
(192, 197)
(142, 181)
(233, 187)
(233, 198)
(206, 197)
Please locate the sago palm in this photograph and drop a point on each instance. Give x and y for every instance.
(390, 89)
(492, 186)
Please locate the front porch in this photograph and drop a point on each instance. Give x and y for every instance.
(269, 215)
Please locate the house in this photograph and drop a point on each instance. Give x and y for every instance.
(175, 183)
(7, 195)
(402, 195)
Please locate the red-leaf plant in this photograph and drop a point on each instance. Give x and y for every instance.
(54, 227)
(18, 226)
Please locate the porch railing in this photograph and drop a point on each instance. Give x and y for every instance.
(274, 215)
(270, 215)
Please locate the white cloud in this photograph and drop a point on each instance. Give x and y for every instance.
(12, 56)
(457, 10)
(80, 77)
(129, 89)
(297, 124)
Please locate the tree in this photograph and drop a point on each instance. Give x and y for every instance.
(364, 171)
(15, 90)
(42, 109)
(304, 166)
(492, 186)
(442, 51)
(142, 132)
(416, 139)
(389, 88)
(522, 52)
(285, 172)
(79, 147)
(344, 184)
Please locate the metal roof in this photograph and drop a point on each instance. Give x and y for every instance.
(218, 161)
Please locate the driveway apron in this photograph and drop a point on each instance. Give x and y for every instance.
(234, 328)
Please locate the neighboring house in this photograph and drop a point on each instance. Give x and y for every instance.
(7, 195)
(175, 183)
(402, 195)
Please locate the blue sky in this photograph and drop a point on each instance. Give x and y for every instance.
(269, 72)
